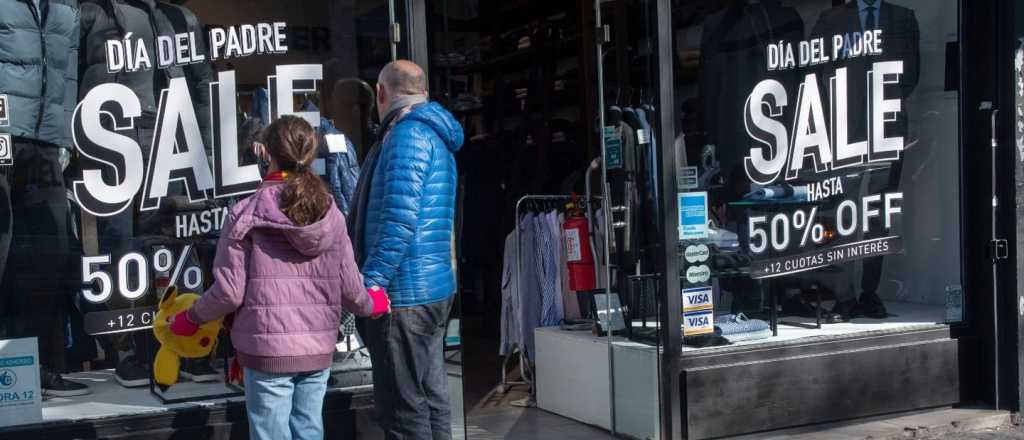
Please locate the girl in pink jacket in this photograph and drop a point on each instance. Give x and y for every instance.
(285, 268)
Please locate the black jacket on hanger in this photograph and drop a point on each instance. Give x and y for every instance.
(103, 20)
(732, 62)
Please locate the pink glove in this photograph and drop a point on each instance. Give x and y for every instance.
(381, 302)
(182, 326)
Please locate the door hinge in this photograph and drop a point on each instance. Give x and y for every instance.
(604, 35)
(998, 249)
(396, 33)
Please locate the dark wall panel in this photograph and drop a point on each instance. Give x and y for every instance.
(773, 393)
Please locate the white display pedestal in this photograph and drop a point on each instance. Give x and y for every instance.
(573, 381)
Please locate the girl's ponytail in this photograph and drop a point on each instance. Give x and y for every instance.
(293, 143)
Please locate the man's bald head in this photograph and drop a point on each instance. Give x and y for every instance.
(403, 77)
(399, 82)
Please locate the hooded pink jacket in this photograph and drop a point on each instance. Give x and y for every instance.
(286, 285)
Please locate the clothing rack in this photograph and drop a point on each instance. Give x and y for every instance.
(524, 201)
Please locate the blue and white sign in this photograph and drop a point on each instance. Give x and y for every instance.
(20, 398)
(693, 215)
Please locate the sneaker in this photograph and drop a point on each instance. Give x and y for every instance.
(199, 370)
(871, 306)
(130, 373)
(54, 385)
(844, 311)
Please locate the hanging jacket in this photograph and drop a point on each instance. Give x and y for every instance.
(38, 68)
(104, 20)
(341, 169)
(410, 210)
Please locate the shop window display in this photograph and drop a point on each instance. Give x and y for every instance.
(823, 138)
(126, 130)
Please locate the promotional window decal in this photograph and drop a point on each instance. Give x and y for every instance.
(808, 209)
(693, 215)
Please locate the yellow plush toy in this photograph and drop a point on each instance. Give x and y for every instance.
(174, 347)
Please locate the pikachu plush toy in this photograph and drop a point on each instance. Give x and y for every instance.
(174, 347)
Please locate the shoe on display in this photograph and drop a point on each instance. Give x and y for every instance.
(199, 370)
(54, 385)
(843, 311)
(794, 306)
(131, 374)
(871, 306)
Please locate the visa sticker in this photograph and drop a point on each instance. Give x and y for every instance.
(698, 323)
(697, 298)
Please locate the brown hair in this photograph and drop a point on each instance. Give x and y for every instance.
(292, 142)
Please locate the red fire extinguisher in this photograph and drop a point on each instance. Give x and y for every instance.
(576, 235)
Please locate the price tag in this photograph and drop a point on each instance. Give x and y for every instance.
(336, 143)
(5, 117)
(20, 397)
(643, 137)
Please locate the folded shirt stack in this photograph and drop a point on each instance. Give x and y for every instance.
(780, 192)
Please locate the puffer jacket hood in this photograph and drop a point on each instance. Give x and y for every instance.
(441, 121)
(311, 240)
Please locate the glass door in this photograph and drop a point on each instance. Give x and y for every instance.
(632, 307)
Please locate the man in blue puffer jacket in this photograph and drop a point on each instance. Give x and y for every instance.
(404, 215)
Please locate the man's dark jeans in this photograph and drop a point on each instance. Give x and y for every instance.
(410, 383)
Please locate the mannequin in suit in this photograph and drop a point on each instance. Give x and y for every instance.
(900, 42)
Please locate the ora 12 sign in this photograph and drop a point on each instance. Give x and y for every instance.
(178, 153)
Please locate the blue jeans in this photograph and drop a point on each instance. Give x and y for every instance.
(285, 406)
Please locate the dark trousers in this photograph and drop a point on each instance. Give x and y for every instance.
(410, 383)
(34, 249)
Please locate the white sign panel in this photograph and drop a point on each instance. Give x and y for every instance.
(20, 398)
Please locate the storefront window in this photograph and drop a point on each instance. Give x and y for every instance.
(126, 134)
(818, 168)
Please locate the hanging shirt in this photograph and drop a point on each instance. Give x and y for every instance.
(529, 282)
(557, 249)
(546, 269)
(870, 13)
(511, 336)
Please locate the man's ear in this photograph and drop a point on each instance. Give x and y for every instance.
(169, 296)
